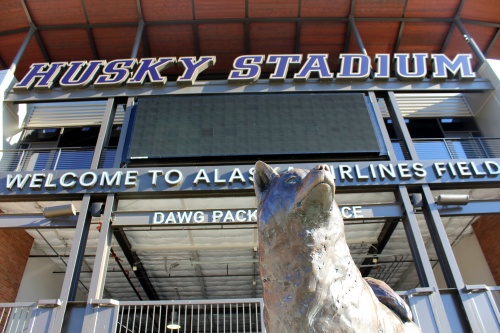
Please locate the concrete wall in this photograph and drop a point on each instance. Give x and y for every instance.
(486, 105)
(9, 123)
(40, 282)
(471, 261)
(486, 108)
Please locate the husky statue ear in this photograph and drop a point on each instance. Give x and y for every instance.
(263, 176)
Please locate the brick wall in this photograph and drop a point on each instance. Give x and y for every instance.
(487, 230)
(15, 246)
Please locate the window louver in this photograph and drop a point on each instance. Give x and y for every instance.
(429, 106)
(73, 114)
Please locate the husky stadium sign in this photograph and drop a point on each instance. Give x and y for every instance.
(246, 69)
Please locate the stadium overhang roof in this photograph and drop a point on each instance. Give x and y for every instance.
(68, 30)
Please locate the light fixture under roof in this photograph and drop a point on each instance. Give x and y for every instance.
(452, 199)
(59, 211)
(174, 323)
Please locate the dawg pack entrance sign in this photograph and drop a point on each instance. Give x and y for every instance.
(246, 69)
(242, 215)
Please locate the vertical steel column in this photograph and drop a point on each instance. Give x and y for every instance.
(104, 132)
(123, 134)
(70, 282)
(100, 265)
(413, 234)
(417, 245)
(443, 248)
(470, 41)
(102, 252)
(424, 269)
(478, 320)
(22, 49)
(399, 125)
(381, 125)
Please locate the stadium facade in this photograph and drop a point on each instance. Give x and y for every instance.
(129, 138)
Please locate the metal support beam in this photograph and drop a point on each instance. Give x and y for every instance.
(195, 30)
(3, 64)
(104, 132)
(400, 35)
(470, 41)
(123, 134)
(199, 273)
(133, 259)
(399, 124)
(440, 239)
(415, 239)
(444, 46)
(89, 31)
(100, 264)
(475, 207)
(36, 221)
(492, 42)
(359, 40)
(102, 252)
(259, 87)
(247, 29)
(298, 28)
(422, 263)
(42, 46)
(138, 38)
(74, 265)
(449, 265)
(413, 234)
(22, 49)
(377, 248)
(355, 31)
(401, 29)
(381, 125)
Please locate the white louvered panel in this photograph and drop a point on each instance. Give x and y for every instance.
(71, 114)
(429, 106)
(383, 108)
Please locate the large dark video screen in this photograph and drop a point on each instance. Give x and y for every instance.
(180, 127)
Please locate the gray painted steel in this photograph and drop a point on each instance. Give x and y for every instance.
(136, 218)
(70, 282)
(472, 208)
(261, 86)
(100, 270)
(218, 178)
(22, 48)
(479, 321)
(28, 221)
(104, 132)
(436, 314)
(399, 124)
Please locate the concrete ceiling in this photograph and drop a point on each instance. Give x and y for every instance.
(219, 262)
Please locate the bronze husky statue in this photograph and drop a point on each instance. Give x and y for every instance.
(310, 281)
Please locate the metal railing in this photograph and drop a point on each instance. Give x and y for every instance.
(53, 159)
(15, 317)
(230, 316)
(464, 148)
